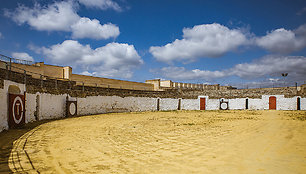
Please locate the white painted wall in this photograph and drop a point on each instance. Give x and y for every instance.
(190, 104)
(303, 104)
(53, 106)
(167, 104)
(283, 103)
(238, 103)
(105, 104)
(212, 104)
(30, 107)
(3, 109)
(4, 102)
(256, 104)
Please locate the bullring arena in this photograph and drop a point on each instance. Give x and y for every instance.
(58, 125)
(162, 142)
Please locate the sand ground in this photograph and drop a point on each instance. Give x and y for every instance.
(161, 142)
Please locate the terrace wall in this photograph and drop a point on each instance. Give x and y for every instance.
(47, 102)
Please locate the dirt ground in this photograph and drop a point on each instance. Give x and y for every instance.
(160, 142)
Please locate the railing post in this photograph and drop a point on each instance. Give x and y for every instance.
(7, 71)
(55, 83)
(10, 64)
(25, 77)
(41, 81)
(83, 87)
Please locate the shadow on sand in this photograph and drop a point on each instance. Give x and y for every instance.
(7, 138)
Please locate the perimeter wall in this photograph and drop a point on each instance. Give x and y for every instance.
(47, 102)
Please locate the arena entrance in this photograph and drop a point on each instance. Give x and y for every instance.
(16, 110)
(202, 103)
(272, 103)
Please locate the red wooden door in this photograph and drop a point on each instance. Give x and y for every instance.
(272, 102)
(202, 103)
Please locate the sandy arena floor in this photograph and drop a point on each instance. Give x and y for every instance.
(161, 142)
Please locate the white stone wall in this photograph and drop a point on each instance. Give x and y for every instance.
(283, 103)
(105, 104)
(4, 102)
(30, 107)
(238, 103)
(212, 104)
(190, 104)
(303, 104)
(53, 106)
(3, 109)
(256, 104)
(167, 104)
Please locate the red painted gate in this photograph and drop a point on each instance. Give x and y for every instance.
(16, 110)
(272, 103)
(202, 103)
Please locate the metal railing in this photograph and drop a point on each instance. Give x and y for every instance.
(11, 68)
(14, 60)
(267, 84)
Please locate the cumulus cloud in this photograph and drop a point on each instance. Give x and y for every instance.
(181, 73)
(207, 40)
(111, 60)
(22, 56)
(86, 28)
(283, 41)
(301, 12)
(58, 16)
(62, 16)
(101, 4)
(268, 66)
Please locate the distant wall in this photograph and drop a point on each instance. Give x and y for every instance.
(112, 83)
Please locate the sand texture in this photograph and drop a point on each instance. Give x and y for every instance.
(162, 142)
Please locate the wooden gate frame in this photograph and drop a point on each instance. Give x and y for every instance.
(13, 122)
(68, 104)
(223, 101)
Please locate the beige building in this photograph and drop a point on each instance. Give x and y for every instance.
(160, 85)
(41, 70)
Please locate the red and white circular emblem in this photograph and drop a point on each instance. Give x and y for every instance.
(17, 110)
(72, 108)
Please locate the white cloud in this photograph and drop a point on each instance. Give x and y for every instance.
(283, 41)
(69, 51)
(62, 16)
(301, 12)
(208, 40)
(22, 56)
(86, 28)
(180, 73)
(0, 35)
(268, 66)
(101, 4)
(58, 16)
(111, 60)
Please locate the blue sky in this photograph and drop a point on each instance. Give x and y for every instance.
(195, 41)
